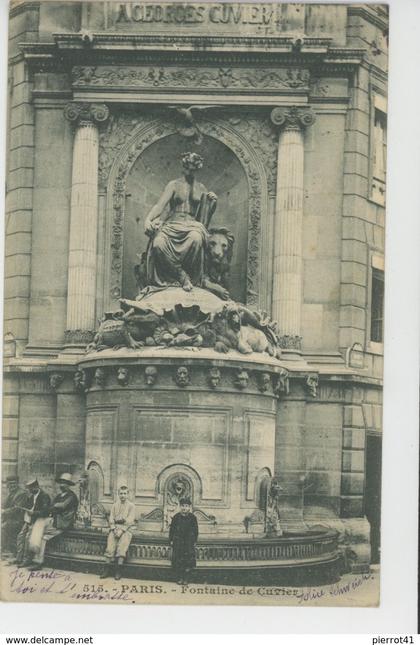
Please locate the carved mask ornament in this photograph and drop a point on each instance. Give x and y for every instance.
(282, 383)
(122, 376)
(214, 377)
(150, 375)
(56, 380)
(182, 376)
(100, 376)
(80, 380)
(264, 381)
(312, 384)
(242, 379)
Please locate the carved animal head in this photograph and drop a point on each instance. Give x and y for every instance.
(233, 318)
(179, 486)
(220, 246)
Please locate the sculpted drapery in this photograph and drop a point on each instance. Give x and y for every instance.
(175, 254)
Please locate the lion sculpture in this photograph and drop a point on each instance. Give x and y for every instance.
(233, 331)
(219, 250)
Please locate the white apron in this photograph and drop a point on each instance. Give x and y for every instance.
(41, 526)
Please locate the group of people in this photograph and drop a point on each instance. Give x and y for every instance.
(29, 519)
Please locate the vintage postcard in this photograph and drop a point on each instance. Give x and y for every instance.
(194, 291)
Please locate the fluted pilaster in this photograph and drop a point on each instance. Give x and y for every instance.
(288, 264)
(83, 220)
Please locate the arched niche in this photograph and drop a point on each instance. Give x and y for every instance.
(222, 173)
(262, 485)
(95, 478)
(119, 209)
(172, 472)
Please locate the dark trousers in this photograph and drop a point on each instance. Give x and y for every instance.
(9, 532)
(182, 568)
(22, 551)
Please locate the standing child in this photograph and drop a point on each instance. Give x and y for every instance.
(121, 524)
(183, 534)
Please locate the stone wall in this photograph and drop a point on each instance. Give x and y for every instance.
(51, 219)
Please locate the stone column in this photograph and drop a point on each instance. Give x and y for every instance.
(288, 264)
(83, 221)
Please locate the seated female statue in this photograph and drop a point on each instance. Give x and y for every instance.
(175, 254)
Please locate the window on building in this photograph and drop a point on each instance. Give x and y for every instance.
(377, 307)
(379, 148)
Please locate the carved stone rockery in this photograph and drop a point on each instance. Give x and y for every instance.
(173, 317)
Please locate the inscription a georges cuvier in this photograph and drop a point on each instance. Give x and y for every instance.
(231, 14)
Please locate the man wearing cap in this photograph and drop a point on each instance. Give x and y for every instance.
(37, 506)
(61, 517)
(121, 523)
(12, 514)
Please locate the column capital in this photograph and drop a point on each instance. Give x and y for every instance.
(85, 113)
(292, 118)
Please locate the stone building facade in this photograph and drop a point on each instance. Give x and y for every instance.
(289, 111)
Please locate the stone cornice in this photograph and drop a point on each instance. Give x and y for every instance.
(330, 61)
(72, 49)
(187, 42)
(377, 72)
(370, 14)
(21, 7)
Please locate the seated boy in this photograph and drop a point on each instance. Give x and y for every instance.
(121, 524)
